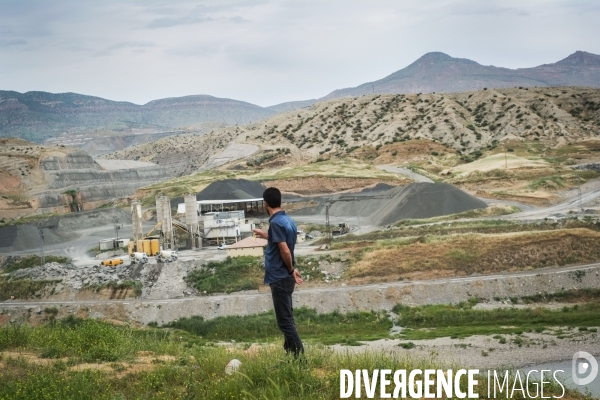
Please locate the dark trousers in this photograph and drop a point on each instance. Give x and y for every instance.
(281, 291)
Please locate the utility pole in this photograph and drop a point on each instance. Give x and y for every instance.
(579, 190)
(328, 226)
(357, 214)
(41, 232)
(505, 159)
(117, 228)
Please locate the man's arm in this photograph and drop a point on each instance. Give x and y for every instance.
(260, 233)
(286, 255)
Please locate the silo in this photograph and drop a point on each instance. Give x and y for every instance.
(159, 209)
(167, 224)
(191, 216)
(136, 219)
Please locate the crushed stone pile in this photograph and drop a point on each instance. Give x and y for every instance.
(24, 237)
(414, 201)
(426, 200)
(76, 277)
(58, 229)
(232, 189)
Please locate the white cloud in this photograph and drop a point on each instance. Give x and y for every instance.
(268, 52)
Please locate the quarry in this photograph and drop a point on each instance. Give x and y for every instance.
(439, 228)
(401, 204)
(158, 236)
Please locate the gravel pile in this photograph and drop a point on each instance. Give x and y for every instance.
(25, 237)
(425, 200)
(76, 277)
(232, 189)
(414, 201)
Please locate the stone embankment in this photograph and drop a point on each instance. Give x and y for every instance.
(77, 171)
(162, 284)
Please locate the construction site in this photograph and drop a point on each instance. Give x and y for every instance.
(364, 245)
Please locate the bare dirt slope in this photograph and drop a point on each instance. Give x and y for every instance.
(359, 126)
(44, 179)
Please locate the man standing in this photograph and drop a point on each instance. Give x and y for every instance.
(280, 273)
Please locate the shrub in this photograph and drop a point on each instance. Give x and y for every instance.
(34, 261)
(233, 274)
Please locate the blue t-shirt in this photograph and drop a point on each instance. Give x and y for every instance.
(281, 229)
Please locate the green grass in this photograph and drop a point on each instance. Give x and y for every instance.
(565, 296)
(87, 340)
(33, 261)
(549, 182)
(245, 273)
(22, 288)
(461, 320)
(327, 328)
(340, 168)
(232, 275)
(419, 228)
(194, 372)
(29, 219)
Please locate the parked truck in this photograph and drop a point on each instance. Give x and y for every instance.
(166, 256)
(341, 229)
(112, 262)
(139, 258)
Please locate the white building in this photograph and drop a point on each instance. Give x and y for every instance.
(251, 246)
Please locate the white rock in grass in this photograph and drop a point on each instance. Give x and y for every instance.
(232, 365)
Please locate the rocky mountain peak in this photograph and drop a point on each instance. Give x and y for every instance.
(581, 58)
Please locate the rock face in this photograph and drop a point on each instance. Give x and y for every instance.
(344, 299)
(78, 172)
(36, 178)
(440, 73)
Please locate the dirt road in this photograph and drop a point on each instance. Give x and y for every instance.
(405, 171)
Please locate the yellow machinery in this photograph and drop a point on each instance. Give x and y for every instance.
(112, 262)
(139, 246)
(147, 249)
(149, 246)
(154, 247)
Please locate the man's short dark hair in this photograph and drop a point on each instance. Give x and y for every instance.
(272, 196)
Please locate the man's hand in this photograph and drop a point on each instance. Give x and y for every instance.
(260, 233)
(297, 277)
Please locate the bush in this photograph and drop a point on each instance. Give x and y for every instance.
(34, 261)
(232, 275)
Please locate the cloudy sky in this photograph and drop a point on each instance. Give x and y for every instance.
(265, 51)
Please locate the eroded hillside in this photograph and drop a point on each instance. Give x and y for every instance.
(43, 179)
(463, 122)
(517, 144)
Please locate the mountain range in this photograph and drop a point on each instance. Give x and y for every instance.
(440, 73)
(37, 116)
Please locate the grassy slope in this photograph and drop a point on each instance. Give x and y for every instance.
(86, 359)
(432, 321)
(349, 168)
